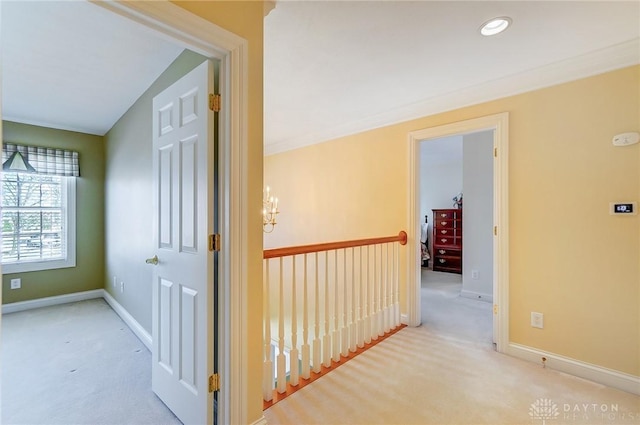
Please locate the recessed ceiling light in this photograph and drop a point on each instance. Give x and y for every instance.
(495, 26)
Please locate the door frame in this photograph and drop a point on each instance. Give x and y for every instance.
(499, 123)
(214, 42)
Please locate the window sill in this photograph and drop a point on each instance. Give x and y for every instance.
(37, 266)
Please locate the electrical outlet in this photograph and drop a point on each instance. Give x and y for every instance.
(475, 274)
(121, 286)
(16, 283)
(537, 320)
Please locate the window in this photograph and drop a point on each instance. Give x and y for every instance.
(38, 221)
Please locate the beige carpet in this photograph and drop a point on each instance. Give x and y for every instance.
(76, 363)
(439, 375)
(444, 311)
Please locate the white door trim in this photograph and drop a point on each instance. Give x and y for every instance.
(500, 124)
(208, 39)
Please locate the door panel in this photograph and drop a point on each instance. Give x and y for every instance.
(188, 189)
(188, 301)
(182, 329)
(165, 203)
(164, 330)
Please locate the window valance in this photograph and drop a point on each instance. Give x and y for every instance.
(59, 162)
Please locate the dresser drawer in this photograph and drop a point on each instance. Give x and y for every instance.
(443, 223)
(440, 214)
(445, 231)
(447, 240)
(445, 252)
(448, 223)
(447, 263)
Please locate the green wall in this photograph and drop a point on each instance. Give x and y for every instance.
(88, 273)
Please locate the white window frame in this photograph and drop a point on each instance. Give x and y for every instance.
(68, 195)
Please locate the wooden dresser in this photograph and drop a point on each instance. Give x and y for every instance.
(447, 240)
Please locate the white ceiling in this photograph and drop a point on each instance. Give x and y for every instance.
(337, 68)
(331, 68)
(74, 65)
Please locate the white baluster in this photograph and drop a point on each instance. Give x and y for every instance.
(374, 292)
(396, 281)
(267, 368)
(294, 368)
(317, 346)
(375, 306)
(383, 289)
(306, 361)
(388, 292)
(345, 306)
(353, 330)
(381, 295)
(336, 312)
(368, 307)
(281, 385)
(361, 303)
(326, 338)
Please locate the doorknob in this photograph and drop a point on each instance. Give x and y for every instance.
(153, 260)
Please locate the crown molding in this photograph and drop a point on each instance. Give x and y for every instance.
(41, 123)
(593, 63)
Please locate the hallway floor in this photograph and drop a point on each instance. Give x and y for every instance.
(447, 372)
(446, 312)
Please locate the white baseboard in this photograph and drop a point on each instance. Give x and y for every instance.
(478, 296)
(49, 301)
(602, 375)
(127, 318)
(261, 421)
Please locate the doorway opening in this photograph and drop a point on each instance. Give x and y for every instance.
(498, 125)
(456, 202)
(230, 50)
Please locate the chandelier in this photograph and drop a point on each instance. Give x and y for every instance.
(269, 211)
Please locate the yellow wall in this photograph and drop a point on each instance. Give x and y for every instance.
(569, 259)
(245, 18)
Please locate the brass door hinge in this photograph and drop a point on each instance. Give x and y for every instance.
(495, 152)
(214, 383)
(495, 309)
(495, 230)
(215, 102)
(214, 242)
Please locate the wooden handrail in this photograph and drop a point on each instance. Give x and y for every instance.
(330, 246)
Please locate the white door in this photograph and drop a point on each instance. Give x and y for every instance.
(182, 314)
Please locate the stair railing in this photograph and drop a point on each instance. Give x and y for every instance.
(348, 293)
